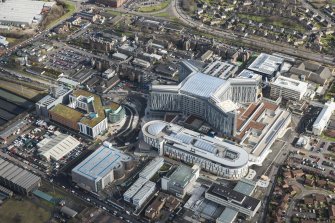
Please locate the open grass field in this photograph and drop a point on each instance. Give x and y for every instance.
(155, 8)
(25, 211)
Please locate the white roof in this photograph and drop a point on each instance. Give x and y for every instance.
(135, 187)
(149, 171)
(266, 64)
(200, 145)
(324, 116)
(202, 85)
(219, 69)
(290, 83)
(21, 11)
(57, 147)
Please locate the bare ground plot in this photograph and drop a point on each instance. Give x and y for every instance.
(25, 211)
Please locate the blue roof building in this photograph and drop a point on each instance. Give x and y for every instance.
(101, 167)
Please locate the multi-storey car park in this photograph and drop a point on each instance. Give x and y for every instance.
(17, 179)
(208, 97)
(213, 155)
(288, 88)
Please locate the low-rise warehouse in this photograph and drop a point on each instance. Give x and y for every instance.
(17, 179)
(57, 147)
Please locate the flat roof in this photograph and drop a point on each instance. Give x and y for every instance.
(233, 196)
(98, 108)
(227, 216)
(219, 69)
(245, 186)
(67, 112)
(266, 64)
(291, 84)
(100, 163)
(182, 175)
(196, 143)
(21, 11)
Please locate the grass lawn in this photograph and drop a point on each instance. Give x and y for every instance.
(25, 211)
(154, 8)
(161, 14)
(112, 12)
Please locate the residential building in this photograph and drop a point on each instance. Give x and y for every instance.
(181, 181)
(17, 179)
(288, 88)
(215, 156)
(322, 120)
(102, 167)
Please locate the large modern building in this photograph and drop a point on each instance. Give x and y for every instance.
(58, 95)
(84, 113)
(101, 168)
(23, 12)
(233, 199)
(288, 88)
(208, 97)
(268, 66)
(57, 147)
(181, 181)
(244, 188)
(322, 120)
(258, 126)
(213, 155)
(17, 179)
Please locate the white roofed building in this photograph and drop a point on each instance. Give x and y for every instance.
(288, 88)
(213, 155)
(208, 97)
(322, 120)
(57, 147)
(267, 65)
